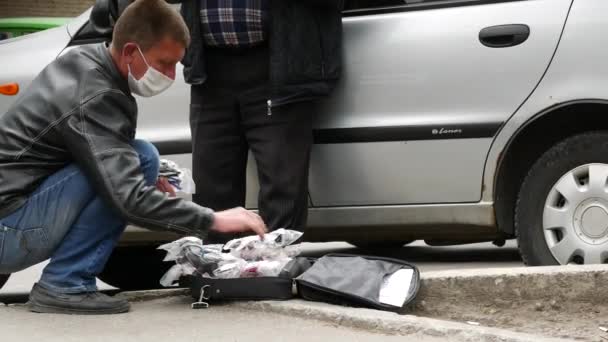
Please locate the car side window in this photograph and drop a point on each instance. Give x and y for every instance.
(355, 6)
(350, 5)
(102, 30)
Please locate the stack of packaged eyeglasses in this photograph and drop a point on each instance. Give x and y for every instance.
(246, 257)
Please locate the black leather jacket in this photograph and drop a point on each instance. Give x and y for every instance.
(305, 41)
(80, 109)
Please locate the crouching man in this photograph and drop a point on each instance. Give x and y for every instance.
(71, 173)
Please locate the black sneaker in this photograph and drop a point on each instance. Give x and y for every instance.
(87, 303)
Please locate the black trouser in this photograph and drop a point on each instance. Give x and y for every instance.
(229, 116)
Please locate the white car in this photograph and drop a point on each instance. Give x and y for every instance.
(456, 121)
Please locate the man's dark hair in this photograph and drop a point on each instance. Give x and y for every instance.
(146, 22)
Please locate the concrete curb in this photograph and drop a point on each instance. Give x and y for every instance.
(140, 296)
(391, 323)
(562, 283)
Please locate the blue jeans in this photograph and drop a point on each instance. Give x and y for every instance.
(65, 220)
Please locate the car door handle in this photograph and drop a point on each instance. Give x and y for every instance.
(502, 36)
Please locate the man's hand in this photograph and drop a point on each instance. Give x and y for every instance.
(163, 185)
(238, 220)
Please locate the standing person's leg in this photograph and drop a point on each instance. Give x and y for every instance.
(281, 145)
(219, 148)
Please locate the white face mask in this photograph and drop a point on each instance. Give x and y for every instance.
(153, 82)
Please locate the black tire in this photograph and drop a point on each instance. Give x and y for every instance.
(563, 157)
(135, 268)
(380, 244)
(3, 279)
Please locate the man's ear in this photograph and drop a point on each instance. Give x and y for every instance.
(128, 52)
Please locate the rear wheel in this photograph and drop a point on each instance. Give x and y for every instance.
(3, 279)
(562, 211)
(135, 268)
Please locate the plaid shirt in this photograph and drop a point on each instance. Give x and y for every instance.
(234, 23)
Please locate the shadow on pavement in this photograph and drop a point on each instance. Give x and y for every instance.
(434, 254)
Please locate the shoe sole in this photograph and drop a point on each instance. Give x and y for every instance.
(41, 308)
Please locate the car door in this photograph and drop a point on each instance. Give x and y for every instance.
(426, 86)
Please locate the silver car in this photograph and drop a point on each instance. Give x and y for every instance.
(456, 121)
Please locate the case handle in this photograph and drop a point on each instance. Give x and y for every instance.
(201, 304)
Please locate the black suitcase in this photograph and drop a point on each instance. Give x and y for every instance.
(281, 287)
(206, 290)
(343, 279)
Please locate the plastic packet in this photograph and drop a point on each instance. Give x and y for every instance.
(271, 247)
(230, 269)
(172, 276)
(183, 252)
(186, 181)
(264, 268)
(177, 248)
(180, 178)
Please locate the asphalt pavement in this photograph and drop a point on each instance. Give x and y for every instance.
(172, 320)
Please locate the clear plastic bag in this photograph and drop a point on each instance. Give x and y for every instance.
(186, 181)
(180, 178)
(181, 251)
(172, 276)
(230, 269)
(177, 248)
(271, 247)
(264, 268)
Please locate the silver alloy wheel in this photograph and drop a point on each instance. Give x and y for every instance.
(575, 217)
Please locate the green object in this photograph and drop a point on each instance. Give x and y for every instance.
(15, 27)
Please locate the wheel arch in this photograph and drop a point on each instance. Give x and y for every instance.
(531, 140)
